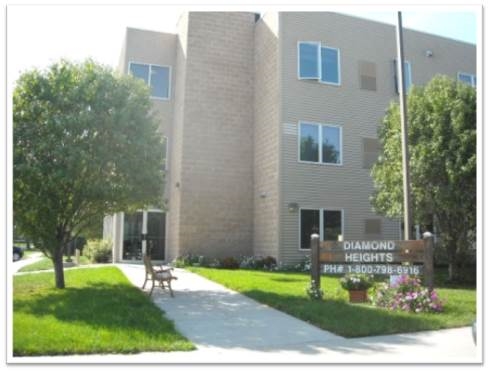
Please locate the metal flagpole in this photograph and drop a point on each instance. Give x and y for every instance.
(404, 129)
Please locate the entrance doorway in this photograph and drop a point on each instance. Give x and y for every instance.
(149, 224)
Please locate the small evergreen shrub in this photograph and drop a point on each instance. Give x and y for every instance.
(99, 251)
(229, 263)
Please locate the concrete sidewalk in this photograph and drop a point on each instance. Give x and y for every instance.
(227, 327)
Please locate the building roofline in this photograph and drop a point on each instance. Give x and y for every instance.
(405, 28)
(148, 30)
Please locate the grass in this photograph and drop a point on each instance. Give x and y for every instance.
(46, 263)
(287, 292)
(99, 311)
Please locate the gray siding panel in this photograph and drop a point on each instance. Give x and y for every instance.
(356, 110)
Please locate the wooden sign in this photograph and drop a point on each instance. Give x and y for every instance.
(379, 257)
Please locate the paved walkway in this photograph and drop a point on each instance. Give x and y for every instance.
(228, 327)
(34, 257)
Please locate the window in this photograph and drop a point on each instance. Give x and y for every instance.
(310, 150)
(309, 225)
(330, 65)
(407, 76)
(318, 62)
(308, 60)
(467, 78)
(309, 142)
(328, 223)
(157, 77)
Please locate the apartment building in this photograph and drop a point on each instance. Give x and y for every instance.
(271, 129)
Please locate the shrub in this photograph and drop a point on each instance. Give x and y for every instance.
(269, 262)
(257, 262)
(304, 265)
(314, 292)
(408, 295)
(229, 263)
(188, 260)
(356, 282)
(191, 260)
(99, 251)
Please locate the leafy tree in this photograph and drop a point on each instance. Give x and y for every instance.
(85, 144)
(442, 146)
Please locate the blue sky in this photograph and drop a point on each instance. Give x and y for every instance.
(458, 25)
(38, 36)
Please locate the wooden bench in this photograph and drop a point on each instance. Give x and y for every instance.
(161, 275)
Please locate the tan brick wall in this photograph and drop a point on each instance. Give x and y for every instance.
(266, 138)
(216, 180)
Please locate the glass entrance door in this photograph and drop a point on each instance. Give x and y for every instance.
(151, 223)
(132, 243)
(155, 240)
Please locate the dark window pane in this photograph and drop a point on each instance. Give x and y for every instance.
(155, 243)
(331, 145)
(308, 61)
(329, 66)
(309, 223)
(407, 76)
(132, 246)
(160, 82)
(331, 224)
(309, 143)
(140, 71)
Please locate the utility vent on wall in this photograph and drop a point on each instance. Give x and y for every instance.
(372, 226)
(368, 75)
(371, 149)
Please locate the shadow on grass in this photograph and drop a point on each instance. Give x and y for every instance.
(346, 319)
(101, 305)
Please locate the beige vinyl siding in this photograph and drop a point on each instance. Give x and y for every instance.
(266, 138)
(356, 110)
(176, 145)
(156, 48)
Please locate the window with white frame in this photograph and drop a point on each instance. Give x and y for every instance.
(328, 223)
(330, 65)
(318, 62)
(320, 143)
(309, 60)
(408, 81)
(157, 77)
(467, 78)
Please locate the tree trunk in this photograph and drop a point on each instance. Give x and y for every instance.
(59, 275)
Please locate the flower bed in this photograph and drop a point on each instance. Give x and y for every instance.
(408, 295)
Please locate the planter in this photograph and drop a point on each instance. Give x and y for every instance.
(358, 296)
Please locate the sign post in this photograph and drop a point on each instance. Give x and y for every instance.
(315, 262)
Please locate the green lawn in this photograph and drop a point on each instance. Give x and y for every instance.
(286, 292)
(100, 311)
(46, 263)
